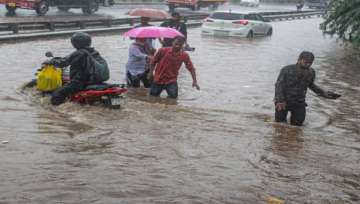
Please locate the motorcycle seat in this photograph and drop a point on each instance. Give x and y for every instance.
(103, 86)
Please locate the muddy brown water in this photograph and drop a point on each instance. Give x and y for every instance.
(217, 145)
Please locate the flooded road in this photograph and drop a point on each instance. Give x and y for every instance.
(217, 145)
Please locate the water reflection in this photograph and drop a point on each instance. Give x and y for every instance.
(287, 141)
(142, 94)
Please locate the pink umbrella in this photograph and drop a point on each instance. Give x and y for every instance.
(148, 12)
(153, 32)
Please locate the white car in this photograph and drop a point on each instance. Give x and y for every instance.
(235, 24)
(252, 3)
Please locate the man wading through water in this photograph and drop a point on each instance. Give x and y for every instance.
(291, 87)
(167, 62)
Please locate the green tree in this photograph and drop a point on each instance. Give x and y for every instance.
(343, 18)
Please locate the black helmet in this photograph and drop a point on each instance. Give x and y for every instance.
(81, 40)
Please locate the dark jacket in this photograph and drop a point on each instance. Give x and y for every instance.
(181, 27)
(292, 83)
(79, 65)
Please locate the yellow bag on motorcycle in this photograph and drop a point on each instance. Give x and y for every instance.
(49, 78)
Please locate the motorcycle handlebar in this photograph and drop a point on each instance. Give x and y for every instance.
(52, 61)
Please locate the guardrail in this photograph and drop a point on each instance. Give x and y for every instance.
(27, 36)
(109, 24)
(82, 23)
(293, 16)
(53, 25)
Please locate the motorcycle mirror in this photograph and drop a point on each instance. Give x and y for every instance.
(49, 54)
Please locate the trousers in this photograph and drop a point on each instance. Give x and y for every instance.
(298, 113)
(59, 96)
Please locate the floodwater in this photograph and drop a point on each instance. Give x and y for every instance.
(217, 145)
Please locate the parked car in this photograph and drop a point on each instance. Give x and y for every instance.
(318, 4)
(251, 3)
(42, 6)
(236, 24)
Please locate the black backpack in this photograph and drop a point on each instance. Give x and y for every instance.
(97, 68)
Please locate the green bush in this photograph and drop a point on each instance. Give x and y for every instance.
(343, 19)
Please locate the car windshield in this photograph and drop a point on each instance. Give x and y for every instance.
(227, 16)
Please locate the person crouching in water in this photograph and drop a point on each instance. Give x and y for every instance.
(137, 66)
(79, 67)
(291, 87)
(166, 65)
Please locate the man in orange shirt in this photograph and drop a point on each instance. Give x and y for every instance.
(165, 69)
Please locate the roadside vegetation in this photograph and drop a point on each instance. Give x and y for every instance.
(343, 19)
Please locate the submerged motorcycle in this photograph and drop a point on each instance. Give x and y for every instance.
(104, 94)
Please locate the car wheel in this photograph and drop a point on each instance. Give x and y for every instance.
(91, 8)
(250, 34)
(42, 8)
(269, 32)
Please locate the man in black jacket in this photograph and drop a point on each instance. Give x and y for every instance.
(80, 75)
(175, 23)
(291, 87)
